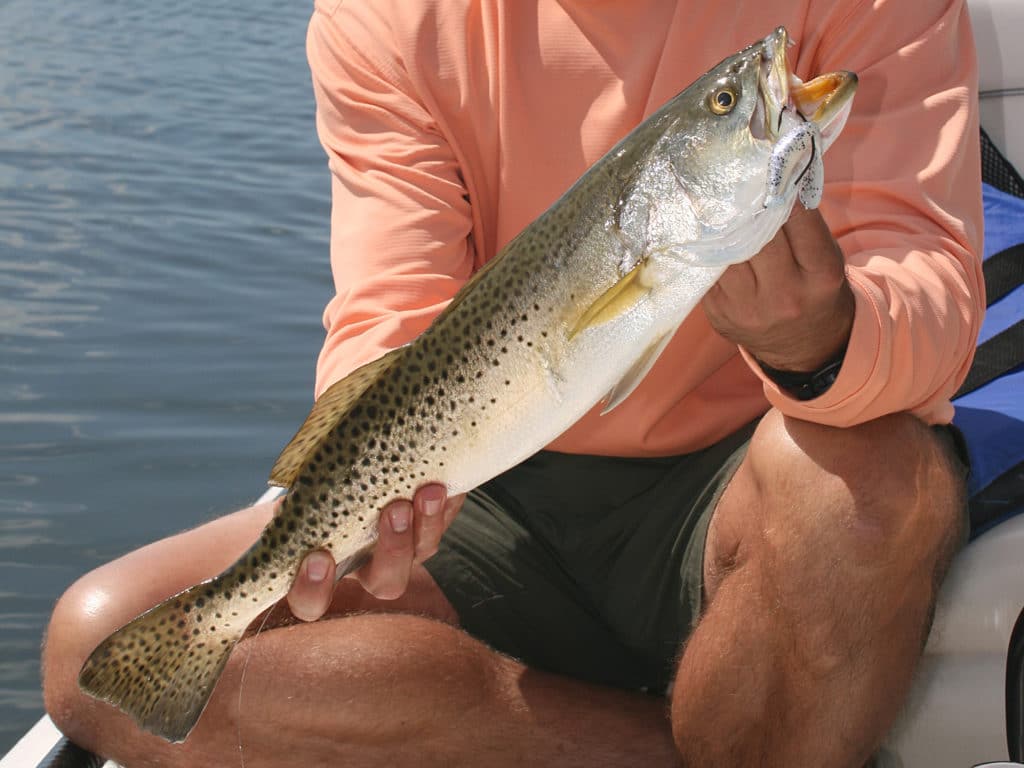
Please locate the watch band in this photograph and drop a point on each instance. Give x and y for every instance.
(809, 385)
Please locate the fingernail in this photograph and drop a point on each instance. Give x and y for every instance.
(317, 568)
(432, 506)
(399, 515)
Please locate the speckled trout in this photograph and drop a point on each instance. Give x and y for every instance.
(574, 310)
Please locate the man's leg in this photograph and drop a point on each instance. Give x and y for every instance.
(822, 564)
(367, 689)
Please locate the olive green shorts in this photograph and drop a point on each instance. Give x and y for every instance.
(590, 566)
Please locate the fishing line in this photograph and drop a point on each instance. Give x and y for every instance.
(241, 684)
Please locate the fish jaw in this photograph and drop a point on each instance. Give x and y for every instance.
(773, 84)
(825, 100)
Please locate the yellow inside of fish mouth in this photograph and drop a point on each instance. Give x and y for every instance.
(818, 99)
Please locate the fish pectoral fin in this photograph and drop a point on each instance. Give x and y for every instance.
(636, 373)
(328, 410)
(620, 298)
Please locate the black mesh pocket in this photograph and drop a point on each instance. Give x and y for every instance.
(997, 170)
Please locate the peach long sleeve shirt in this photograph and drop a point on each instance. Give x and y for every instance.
(451, 124)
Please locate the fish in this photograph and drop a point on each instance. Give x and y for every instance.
(573, 311)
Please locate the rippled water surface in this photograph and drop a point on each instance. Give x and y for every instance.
(163, 262)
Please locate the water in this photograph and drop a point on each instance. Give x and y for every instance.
(163, 261)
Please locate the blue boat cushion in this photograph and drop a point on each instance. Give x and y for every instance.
(991, 416)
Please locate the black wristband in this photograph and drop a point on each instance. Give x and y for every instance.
(806, 386)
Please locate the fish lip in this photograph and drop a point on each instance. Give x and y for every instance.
(821, 100)
(773, 86)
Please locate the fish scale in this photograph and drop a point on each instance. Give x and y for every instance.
(576, 308)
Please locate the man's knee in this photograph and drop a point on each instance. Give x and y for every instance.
(882, 497)
(81, 619)
(878, 483)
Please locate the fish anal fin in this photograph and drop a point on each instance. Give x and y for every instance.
(631, 380)
(328, 410)
(618, 299)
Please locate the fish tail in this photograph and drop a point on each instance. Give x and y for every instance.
(161, 667)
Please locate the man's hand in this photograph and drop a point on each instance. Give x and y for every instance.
(790, 306)
(408, 533)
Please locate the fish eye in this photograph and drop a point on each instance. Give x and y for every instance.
(722, 101)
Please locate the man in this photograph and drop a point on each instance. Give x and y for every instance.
(771, 560)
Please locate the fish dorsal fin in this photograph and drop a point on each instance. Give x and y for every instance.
(620, 298)
(328, 410)
(632, 378)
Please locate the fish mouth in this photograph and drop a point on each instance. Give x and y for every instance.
(825, 100)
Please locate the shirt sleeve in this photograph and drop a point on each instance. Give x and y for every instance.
(903, 199)
(400, 216)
